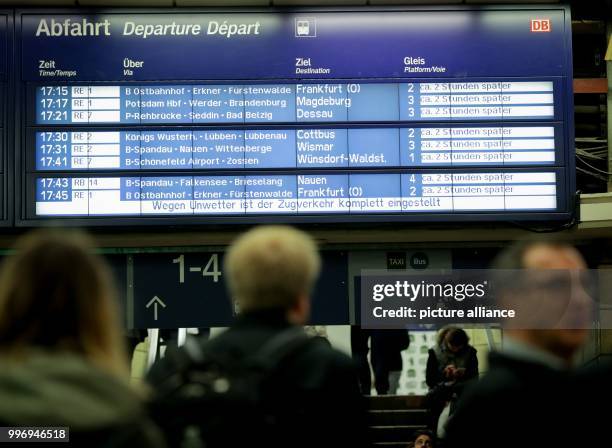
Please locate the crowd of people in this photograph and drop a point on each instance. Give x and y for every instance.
(264, 381)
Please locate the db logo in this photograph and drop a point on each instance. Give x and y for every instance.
(540, 25)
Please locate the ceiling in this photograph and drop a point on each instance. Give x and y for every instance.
(155, 3)
(591, 9)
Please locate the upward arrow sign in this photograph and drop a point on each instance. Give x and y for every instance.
(155, 301)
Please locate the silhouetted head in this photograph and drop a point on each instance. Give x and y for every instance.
(273, 267)
(550, 288)
(456, 339)
(56, 295)
(424, 439)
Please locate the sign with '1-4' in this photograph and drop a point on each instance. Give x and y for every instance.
(178, 290)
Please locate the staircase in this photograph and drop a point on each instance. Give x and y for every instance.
(393, 419)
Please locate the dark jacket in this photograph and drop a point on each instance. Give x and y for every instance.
(591, 394)
(516, 403)
(51, 389)
(387, 347)
(385, 355)
(440, 357)
(315, 391)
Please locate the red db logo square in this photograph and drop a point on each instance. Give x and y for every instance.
(540, 25)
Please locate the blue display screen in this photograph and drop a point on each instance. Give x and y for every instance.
(299, 103)
(355, 194)
(307, 116)
(302, 148)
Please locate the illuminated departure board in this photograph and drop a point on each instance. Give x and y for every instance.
(310, 116)
(297, 194)
(285, 103)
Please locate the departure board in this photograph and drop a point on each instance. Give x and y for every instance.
(299, 103)
(314, 116)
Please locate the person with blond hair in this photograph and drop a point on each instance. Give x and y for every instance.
(309, 393)
(61, 345)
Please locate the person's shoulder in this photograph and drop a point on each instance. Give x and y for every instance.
(496, 392)
(494, 382)
(218, 341)
(499, 382)
(321, 348)
(238, 341)
(472, 353)
(325, 370)
(319, 354)
(596, 370)
(594, 377)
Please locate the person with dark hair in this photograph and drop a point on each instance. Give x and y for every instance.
(423, 439)
(62, 348)
(450, 365)
(527, 386)
(457, 339)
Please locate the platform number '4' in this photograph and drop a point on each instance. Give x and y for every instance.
(210, 270)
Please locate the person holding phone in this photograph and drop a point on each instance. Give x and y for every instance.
(450, 365)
